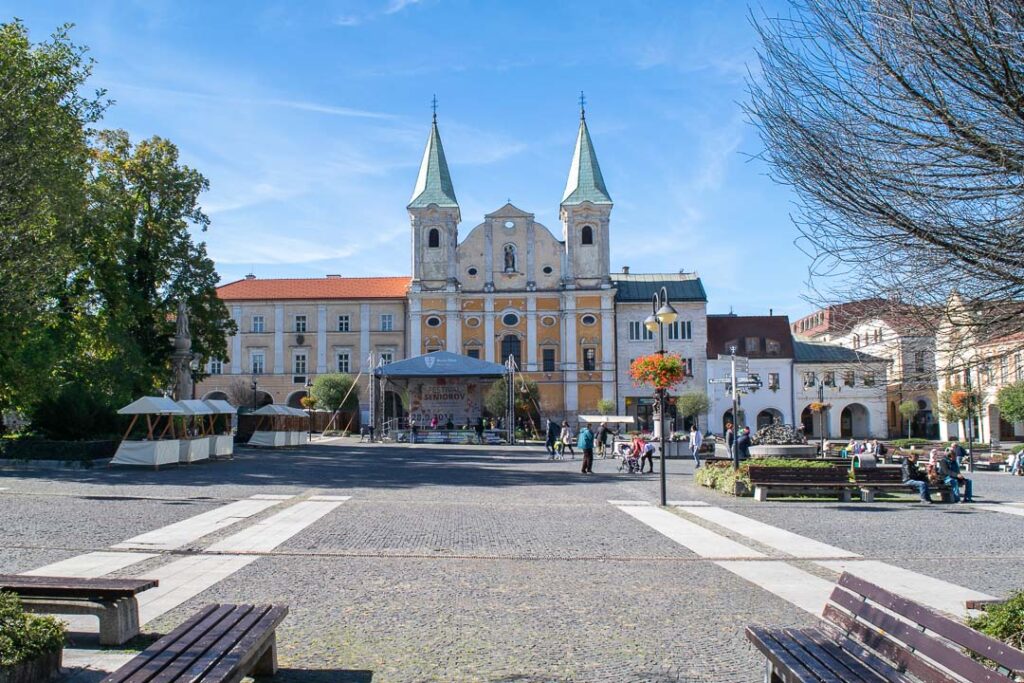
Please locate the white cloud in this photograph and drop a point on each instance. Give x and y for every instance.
(399, 5)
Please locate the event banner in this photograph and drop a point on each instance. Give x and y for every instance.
(446, 400)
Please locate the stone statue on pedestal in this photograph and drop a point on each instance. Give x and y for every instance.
(182, 356)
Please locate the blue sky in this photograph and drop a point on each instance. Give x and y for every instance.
(309, 120)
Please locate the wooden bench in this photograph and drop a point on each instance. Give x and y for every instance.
(219, 644)
(889, 479)
(112, 600)
(869, 634)
(833, 479)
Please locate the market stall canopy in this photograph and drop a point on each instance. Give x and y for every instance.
(627, 419)
(297, 412)
(152, 405)
(440, 364)
(220, 406)
(272, 409)
(195, 407)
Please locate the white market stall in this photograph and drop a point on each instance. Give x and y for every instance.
(298, 433)
(619, 424)
(194, 437)
(222, 441)
(271, 431)
(155, 448)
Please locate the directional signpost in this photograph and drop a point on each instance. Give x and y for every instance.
(739, 381)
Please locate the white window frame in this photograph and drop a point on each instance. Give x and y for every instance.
(261, 327)
(344, 322)
(387, 322)
(296, 358)
(386, 356)
(305, 323)
(343, 361)
(216, 366)
(262, 367)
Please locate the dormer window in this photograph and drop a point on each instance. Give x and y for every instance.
(434, 238)
(587, 236)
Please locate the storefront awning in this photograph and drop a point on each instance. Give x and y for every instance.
(440, 364)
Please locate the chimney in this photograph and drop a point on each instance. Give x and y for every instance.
(771, 312)
(625, 270)
(333, 275)
(250, 276)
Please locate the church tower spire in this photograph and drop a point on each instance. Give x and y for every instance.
(585, 212)
(434, 216)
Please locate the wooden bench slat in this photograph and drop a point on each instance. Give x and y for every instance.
(220, 647)
(867, 665)
(245, 652)
(778, 654)
(206, 643)
(73, 587)
(175, 640)
(960, 634)
(863, 641)
(930, 647)
(829, 667)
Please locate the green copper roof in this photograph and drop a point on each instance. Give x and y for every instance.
(585, 184)
(434, 183)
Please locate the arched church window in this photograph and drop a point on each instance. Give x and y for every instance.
(510, 346)
(434, 238)
(588, 234)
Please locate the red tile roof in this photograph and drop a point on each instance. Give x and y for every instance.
(257, 289)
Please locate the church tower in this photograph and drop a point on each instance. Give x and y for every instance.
(585, 211)
(434, 215)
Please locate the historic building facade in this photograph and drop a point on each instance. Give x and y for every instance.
(512, 288)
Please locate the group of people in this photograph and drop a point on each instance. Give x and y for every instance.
(870, 447)
(1015, 464)
(560, 439)
(738, 444)
(942, 467)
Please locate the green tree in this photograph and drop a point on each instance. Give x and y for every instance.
(1010, 400)
(955, 403)
(606, 406)
(44, 160)
(908, 409)
(527, 402)
(141, 259)
(336, 391)
(692, 404)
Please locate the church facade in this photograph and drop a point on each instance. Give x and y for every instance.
(512, 288)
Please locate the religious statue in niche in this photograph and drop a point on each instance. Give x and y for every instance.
(510, 258)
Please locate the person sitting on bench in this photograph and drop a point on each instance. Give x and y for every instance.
(914, 478)
(949, 470)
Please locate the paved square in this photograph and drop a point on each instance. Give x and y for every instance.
(405, 563)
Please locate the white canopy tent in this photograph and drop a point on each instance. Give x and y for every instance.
(281, 431)
(154, 449)
(195, 442)
(610, 419)
(222, 444)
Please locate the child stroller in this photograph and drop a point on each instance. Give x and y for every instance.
(629, 462)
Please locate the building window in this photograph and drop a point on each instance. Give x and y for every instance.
(809, 379)
(300, 323)
(588, 235)
(387, 322)
(848, 378)
(434, 238)
(257, 363)
(473, 353)
(755, 378)
(257, 323)
(680, 330)
(878, 335)
(299, 364)
(548, 360)
(688, 366)
(344, 362)
(510, 319)
(1004, 369)
(869, 379)
(1018, 368)
(919, 361)
(773, 380)
(638, 332)
(216, 366)
(772, 347)
(510, 346)
(343, 323)
(856, 341)
(588, 319)
(433, 321)
(829, 379)
(589, 359)
(387, 357)
(752, 344)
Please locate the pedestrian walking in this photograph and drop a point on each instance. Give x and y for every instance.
(600, 438)
(743, 444)
(566, 437)
(730, 438)
(586, 444)
(696, 440)
(552, 437)
(480, 431)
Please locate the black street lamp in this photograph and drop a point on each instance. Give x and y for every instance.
(255, 386)
(309, 406)
(662, 314)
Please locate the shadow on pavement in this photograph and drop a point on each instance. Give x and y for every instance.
(322, 676)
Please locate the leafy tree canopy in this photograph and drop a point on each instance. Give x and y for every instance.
(1011, 402)
(336, 391)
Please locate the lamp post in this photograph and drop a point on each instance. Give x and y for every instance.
(255, 386)
(309, 406)
(735, 408)
(662, 314)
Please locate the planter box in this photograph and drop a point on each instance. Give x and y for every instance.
(794, 451)
(41, 669)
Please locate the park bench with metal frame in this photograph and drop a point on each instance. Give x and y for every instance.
(803, 480)
(219, 644)
(112, 600)
(867, 633)
(889, 479)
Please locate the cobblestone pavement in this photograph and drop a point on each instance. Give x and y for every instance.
(483, 564)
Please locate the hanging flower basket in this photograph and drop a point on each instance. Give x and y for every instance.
(819, 407)
(960, 399)
(658, 371)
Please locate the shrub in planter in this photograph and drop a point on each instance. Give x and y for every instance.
(721, 477)
(27, 638)
(1003, 621)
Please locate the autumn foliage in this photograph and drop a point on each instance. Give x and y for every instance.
(658, 371)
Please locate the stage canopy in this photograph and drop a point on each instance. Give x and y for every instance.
(440, 364)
